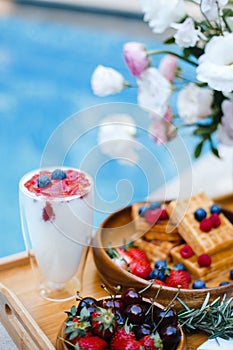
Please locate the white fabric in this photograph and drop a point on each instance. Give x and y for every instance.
(220, 344)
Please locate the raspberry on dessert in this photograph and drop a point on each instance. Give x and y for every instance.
(198, 284)
(200, 214)
(186, 251)
(215, 208)
(215, 219)
(206, 225)
(163, 215)
(204, 260)
(152, 216)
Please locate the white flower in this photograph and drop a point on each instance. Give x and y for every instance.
(225, 129)
(116, 138)
(154, 91)
(106, 81)
(210, 7)
(194, 103)
(186, 35)
(161, 13)
(216, 64)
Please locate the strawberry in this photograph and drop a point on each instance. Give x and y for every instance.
(120, 335)
(151, 342)
(177, 278)
(92, 343)
(103, 322)
(130, 344)
(140, 268)
(137, 254)
(123, 253)
(159, 282)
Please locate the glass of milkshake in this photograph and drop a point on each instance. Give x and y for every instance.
(56, 207)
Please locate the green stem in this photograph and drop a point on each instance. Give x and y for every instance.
(157, 52)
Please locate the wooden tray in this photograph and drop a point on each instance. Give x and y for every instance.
(34, 323)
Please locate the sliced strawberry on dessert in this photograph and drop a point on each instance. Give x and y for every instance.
(92, 343)
(177, 278)
(140, 268)
(151, 342)
(103, 322)
(123, 333)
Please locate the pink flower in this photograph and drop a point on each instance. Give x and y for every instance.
(162, 131)
(136, 57)
(225, 129)
(168, 67)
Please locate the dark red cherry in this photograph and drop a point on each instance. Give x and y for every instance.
(170, 336)
(89, 303)
(135, 313)
(131, 296)
(165, 317)
(142, 329)
(115, 304)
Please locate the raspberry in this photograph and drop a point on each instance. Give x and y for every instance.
(186, 251)
(206, 225)
(215, 219)
(152, 216)
(204, 260)
(163, 215)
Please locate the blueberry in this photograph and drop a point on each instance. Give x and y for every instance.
(198, 284)
(215, 208)
(157, 274)
(179, 266)
(43, 181)
(200, 214)
(142, 210)
(223, 283)
(155, 205)
(231, 274)
(58, 174)
(161, 263)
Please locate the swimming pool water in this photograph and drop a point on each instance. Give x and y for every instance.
(45, 70)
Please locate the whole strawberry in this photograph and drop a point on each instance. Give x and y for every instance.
(130, 344)
(177, 278)
(123, 333)
(137, 254)
(103, 322)
(140, 268)
(92, 343)
(151, 342)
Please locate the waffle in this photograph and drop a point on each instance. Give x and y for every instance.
(220, 262)
(157, 231)
(182, 214)
(156, 250)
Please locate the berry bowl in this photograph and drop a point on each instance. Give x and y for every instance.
(118, 228)
(122, 321)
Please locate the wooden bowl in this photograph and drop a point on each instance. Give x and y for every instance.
(61, 345)
(116, 229)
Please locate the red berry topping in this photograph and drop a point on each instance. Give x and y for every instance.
(163, 215)
(206, 225)
(152, 216)
(186, 251)
(204, 260)
(177, 278)
(215, 219)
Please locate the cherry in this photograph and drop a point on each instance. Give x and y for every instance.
(89, 303)
(131, 296)
(142, 330)
(165, 317)
(135, 313)
(170, 336)
(115, 304)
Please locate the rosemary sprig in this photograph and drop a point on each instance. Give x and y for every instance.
(215, 318)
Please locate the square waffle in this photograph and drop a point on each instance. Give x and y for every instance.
(157, 231)
(182, 214)
(221, 261)
(156, 250)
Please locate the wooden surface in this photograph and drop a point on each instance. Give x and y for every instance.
(34, 314)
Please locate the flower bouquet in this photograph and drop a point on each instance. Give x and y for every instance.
(200, 34)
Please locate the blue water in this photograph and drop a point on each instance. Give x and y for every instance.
(45, 71)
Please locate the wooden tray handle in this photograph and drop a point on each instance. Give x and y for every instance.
(23, 330)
